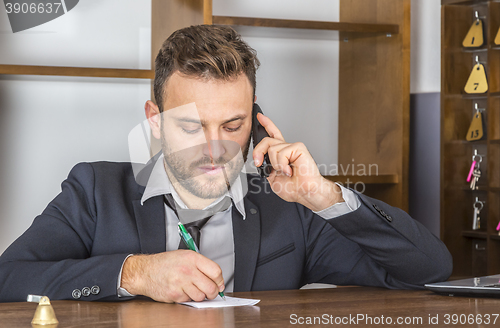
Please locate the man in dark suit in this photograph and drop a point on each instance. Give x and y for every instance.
(112, 232)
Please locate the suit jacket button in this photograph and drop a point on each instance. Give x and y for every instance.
(85, 291)
(95, 290)
(76, 294)
(388, 218)
(376, 207)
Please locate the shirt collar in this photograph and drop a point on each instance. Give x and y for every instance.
(159, 184)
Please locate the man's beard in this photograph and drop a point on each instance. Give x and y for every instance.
(212, 186)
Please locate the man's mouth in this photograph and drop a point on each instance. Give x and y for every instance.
(211, 170)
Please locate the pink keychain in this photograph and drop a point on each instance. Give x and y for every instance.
(498, 227)
(469, 177)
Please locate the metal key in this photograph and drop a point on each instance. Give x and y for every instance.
(476, 223)
(473, 183)
(476, 175)
(475, 170)
(478, 206)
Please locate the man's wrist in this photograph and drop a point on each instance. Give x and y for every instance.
(131, 275)
(328, 194)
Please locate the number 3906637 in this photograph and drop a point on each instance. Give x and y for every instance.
(478, 319)
(25, 8)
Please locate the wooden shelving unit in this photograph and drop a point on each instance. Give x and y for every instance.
(374, 72)
(77, 71)
(475, 252)
(303, 24)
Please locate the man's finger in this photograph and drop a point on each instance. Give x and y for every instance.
(206, 285)
(262, 148)
(193, 293)
(210, 269)
(270, 127)
(279, 160)
(271, 178)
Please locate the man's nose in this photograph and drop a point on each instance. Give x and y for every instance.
(215, 147)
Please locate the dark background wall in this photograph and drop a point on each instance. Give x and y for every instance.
(425, 159)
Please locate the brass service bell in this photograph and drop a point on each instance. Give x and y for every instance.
(44, 314)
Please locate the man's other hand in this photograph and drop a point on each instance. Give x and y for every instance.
(176, 276)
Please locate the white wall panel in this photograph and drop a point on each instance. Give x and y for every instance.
(425, 46)
(96, 33)
(47, 125)
(327, 10)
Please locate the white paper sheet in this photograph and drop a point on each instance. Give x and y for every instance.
(218, 302)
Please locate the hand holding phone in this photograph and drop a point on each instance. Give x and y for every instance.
(298, 178)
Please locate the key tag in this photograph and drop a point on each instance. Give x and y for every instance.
(497, 38)
(476, 164)
(474, 38)
(477, 82)
(471, 171)
(476, 128)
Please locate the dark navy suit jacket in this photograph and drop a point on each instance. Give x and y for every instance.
(83, 236)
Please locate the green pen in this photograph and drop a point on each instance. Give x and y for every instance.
(188, 240)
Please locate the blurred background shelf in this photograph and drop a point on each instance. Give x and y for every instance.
(77, 71)
(303, 24)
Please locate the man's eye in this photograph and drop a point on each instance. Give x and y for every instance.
(233, 129)
(191, 131)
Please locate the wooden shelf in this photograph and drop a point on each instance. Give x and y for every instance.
(465, 142)
(475, 96)
(495, 237)
(77, 71)
(475, 234)
(303, 24)
(470, 96)
(463, 2)
(465, 187)
(484, 48)
(368, 179)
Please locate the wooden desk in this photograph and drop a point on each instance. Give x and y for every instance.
(274, 310)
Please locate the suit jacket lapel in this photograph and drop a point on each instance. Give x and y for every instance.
(246, 235)
(150, 220)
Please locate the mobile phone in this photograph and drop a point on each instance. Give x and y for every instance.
(259, 133)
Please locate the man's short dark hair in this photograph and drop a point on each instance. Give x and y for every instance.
(205, 51)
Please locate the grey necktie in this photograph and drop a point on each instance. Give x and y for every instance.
(194, 220)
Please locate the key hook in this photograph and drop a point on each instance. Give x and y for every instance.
(476, 15)
(477, 155)
(479, 203)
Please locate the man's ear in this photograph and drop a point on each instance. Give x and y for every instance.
(153, 115)
(254, 99)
